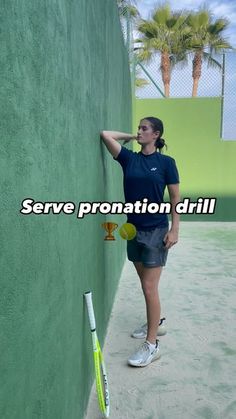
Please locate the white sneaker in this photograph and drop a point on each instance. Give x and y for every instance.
(145, 355)
(141, 332)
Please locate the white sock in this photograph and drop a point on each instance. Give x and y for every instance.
(152, 345)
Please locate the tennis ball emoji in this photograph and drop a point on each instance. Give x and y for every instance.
(127, 231)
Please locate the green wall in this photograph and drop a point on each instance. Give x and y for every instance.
(64, 77)
(206, 163)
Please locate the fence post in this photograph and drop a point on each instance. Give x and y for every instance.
(222, 96)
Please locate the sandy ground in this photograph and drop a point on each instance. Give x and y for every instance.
(196, 374)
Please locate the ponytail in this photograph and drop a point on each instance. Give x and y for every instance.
(160, 143)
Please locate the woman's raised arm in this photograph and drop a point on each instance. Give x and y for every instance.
(111, 138)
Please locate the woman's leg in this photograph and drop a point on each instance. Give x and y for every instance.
(139, 268)
(150, 280)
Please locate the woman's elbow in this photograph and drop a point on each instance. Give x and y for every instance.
(103, 134)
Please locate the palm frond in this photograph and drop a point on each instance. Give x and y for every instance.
(141, 82)
(138, 40)
(217, 44)
(149, 28)
(203, 18)
(144, 55)
(162, 14)
(179, 21)
(211, 62)
(218, 26)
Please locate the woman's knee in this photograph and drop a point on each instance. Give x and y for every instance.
(150, 281)
(150, 288)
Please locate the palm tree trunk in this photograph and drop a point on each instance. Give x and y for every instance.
(165, 72)
(195, 87)
(167, 90)
(197, 71)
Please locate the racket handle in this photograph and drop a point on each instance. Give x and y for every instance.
(89, 302)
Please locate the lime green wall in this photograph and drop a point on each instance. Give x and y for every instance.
(206, 163)
(64, 77)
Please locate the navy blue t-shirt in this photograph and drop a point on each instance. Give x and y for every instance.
(146, 176)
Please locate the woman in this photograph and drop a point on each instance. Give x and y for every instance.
(146, 174)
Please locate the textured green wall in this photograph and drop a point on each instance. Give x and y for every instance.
(206, 163)
(64, 77)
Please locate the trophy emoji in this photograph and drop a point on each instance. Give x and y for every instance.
(109, 227)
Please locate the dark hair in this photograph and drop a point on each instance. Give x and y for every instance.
(157, 125)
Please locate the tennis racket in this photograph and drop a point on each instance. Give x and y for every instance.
(100, 370)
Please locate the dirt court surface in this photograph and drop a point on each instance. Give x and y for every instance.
(196, 374)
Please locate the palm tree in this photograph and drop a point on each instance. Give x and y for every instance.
(206, 38)
(166, 33)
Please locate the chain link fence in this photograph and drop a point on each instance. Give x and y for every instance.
(181, 84)
(126, 22)
(228, 122)
(214, 81)
(127, 16)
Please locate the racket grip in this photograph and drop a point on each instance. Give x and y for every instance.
(89, 302)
